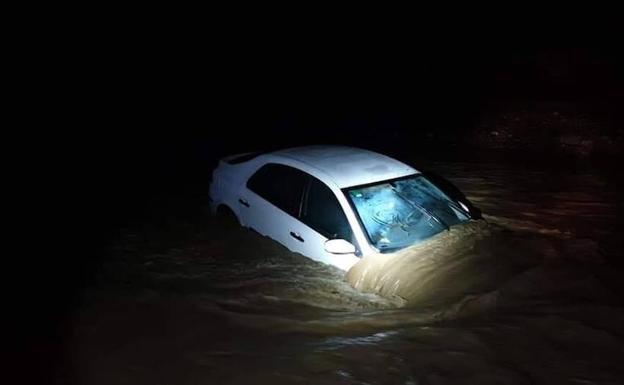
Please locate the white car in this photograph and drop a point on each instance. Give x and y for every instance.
(332, 204)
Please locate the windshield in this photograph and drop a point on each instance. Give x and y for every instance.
(399, 213)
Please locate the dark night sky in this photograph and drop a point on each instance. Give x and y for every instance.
(237, 96)
(179, 90)
(157, 106)
(163, 111)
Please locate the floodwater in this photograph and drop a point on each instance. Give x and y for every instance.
(529, 295)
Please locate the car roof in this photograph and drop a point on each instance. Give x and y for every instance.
(348, 166)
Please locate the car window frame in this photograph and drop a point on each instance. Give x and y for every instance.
(301, 196)
(303, 200)
(304, 204)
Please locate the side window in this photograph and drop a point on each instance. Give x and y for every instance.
(281, 185)
(323, 213)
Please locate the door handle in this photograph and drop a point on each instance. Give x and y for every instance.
(296, 236)
(243, 202)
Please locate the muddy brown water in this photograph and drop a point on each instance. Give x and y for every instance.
(529, 295)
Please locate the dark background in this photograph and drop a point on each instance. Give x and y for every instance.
(135, 113)
(151, 113)
(162, 114)
(157, 109)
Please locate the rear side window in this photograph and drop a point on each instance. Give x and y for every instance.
(323, 213)
(281, 185)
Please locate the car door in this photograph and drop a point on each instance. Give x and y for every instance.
(271, 203)
(321, 219)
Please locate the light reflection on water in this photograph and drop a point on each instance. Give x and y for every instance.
(520, 298)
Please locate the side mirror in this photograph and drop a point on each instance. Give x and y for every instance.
(339, 246)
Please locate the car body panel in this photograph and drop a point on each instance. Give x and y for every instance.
(268, 220)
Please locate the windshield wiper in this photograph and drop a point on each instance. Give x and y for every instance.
(448, 199)
(421, 208)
